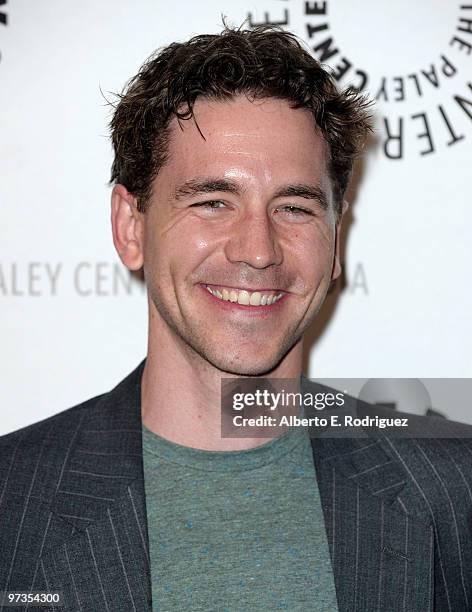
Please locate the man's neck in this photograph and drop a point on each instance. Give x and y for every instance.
(181, 393)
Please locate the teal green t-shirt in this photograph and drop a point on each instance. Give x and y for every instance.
(236, 531)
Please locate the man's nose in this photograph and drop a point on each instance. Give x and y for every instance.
(254, 241)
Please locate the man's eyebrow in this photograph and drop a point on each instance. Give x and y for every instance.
(198, 186)
(205, 185)
(301, 190)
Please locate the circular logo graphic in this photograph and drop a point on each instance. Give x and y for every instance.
(403, 394)
(3, 18)
(413, 59)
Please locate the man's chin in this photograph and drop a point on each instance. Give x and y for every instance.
(244, 365)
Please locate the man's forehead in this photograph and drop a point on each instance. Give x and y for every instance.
(241, 140)
(240, 117)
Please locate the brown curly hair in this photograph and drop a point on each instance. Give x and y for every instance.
(263, 62)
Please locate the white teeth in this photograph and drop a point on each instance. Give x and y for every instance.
(255, 298)
(246, 298)
(243, 298)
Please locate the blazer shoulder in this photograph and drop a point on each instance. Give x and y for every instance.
(420, 425)
(33, 453)
(51, 434)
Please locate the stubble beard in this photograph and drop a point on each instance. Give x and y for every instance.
(200, 347)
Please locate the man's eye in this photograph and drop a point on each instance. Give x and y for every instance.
(294, 210)
(211, 204)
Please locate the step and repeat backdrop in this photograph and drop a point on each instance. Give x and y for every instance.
(73, 320)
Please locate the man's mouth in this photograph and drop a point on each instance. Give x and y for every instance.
(245, 297)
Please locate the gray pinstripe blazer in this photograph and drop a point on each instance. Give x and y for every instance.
(398, 513)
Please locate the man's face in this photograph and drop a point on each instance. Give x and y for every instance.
(237, 220)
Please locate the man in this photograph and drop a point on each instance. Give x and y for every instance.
(232, 157)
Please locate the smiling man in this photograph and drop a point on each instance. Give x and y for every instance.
(232, 156)
(246, 189)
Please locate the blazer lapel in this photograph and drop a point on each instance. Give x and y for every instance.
(382, 556)
(101, 495)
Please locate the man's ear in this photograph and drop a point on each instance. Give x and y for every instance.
(128, 227)
(337, 268)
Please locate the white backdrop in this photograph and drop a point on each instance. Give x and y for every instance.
(73, 323)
